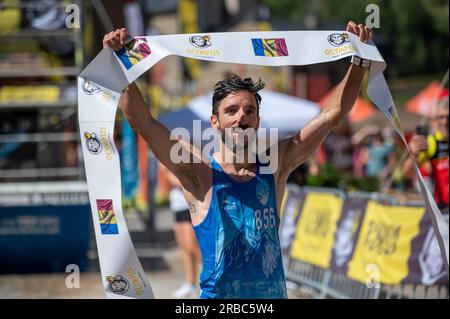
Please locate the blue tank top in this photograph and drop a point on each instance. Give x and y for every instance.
(239, 239)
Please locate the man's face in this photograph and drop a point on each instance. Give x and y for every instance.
(237, 114)
(441, 120)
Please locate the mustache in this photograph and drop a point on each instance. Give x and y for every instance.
(242, 127)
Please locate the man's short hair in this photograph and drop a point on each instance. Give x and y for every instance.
(234, 84)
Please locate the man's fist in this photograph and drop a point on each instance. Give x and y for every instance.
(364, 32)
(116, 39)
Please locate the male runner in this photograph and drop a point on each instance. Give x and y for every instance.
(233, 206)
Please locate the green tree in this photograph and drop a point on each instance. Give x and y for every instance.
(417, 30)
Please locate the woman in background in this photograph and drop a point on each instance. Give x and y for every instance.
(185, 238)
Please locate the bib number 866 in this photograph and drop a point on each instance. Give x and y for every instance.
(265, 219)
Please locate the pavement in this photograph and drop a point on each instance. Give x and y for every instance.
(53, 285)
(160, 259)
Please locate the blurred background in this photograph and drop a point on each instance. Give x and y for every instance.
(358, 173)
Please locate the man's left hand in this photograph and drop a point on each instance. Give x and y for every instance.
(364, 33)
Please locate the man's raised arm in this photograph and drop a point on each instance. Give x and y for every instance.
(295, 150)
(156, 135)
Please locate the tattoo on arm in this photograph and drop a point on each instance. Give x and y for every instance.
(192, 208)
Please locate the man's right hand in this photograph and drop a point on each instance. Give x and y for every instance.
(116, 39)
(417, 144)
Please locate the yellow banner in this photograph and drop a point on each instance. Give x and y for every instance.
(314, 238)
(384, 243)
(10, 16)
(29, 94)
(189, 24)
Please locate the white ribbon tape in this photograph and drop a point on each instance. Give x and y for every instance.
(99, 89)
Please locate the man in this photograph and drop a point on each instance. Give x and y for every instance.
(434, 149)
(234, 208)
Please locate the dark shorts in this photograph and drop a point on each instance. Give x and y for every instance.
(183, 216)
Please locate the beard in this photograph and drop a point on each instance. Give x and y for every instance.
(238, 138)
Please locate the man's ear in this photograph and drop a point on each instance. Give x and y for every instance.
(214, 121)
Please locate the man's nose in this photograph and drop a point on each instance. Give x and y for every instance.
(242, 118)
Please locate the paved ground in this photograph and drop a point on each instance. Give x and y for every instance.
(54, 285)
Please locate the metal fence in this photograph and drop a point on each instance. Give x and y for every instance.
(322, 283)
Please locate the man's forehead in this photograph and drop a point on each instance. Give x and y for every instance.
(244, 96)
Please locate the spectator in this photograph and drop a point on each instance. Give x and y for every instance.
(380, 160)
(339, 148)
(185, 238)
(434, 149)
(377, 157)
